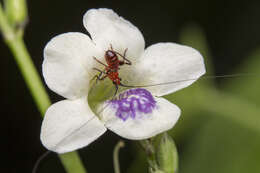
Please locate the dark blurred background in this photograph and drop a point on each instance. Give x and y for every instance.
(231, 29)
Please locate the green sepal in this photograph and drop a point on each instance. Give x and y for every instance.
(166, 155)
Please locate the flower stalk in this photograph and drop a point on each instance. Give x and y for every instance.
(118, 146)
(15, 42)
(149, 149)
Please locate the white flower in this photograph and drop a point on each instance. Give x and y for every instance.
(139, 113)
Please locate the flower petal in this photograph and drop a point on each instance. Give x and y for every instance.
(165, 63)
(106, 27)
(70, 125)
(144, 124)
(68, 60)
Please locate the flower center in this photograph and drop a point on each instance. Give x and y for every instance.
(133, 102)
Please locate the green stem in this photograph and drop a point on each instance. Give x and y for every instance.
(72, 163)
(29, 73)
(119, 145)
(150, 153)
(14, 41)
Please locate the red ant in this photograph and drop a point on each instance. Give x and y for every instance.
(112, 66)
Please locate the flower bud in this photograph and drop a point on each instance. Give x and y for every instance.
(166, 155)
(16, 11)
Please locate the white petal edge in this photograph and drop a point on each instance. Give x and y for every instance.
(163, 118)
(106, 27)
(70, 125)
(68, 62)
(165, 63)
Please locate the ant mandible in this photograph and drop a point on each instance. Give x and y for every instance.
(112, 66)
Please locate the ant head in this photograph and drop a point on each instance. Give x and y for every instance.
(110, 56)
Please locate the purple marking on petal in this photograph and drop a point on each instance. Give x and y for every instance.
(133, 101)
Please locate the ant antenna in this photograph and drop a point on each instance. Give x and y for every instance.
(36, 165)
(184, 80)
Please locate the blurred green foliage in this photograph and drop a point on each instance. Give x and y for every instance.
(219, 129)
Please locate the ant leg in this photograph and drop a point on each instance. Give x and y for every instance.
(125, 52)
(111, 47)
(98, 70)
(98, 77)
(102, 78)
(99, 61)
(126, 61)
(116, 90)
(104, 71)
